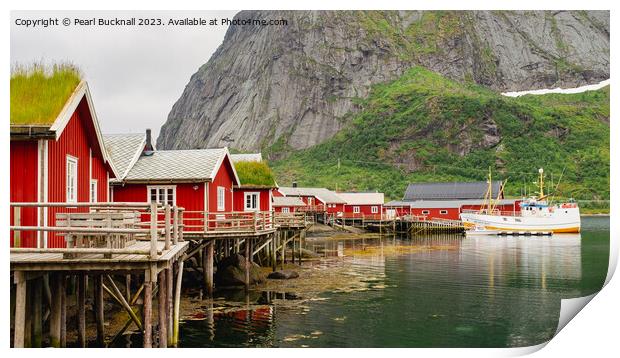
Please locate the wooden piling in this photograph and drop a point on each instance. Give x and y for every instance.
(274, 242)
(148, 305)
(161, 314)
(81, 305)
(63, 311)
(37, 313)
(209, 272)
(169, 284)
(20, 309)
(99, 319)
(55, 311)
(177, 303)
(247, 263)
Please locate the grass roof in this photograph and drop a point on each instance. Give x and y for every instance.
(255, 173)
(39, 92)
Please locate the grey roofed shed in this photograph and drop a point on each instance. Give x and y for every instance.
(450, 191)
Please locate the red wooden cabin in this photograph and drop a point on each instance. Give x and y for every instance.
(316, 199)
(199, 180)
(367, 205)
(283, 204)
(63, 161)
(251, 197)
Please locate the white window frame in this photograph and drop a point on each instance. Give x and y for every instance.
(158, 188)
(286, 210)
(356, 210)
(426, 212)
(245, 201)
(71, 185)
(93, 194)
(374, 209)
(221, 198)
(443, 212)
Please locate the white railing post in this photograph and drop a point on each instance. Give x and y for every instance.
(17, 221)
(153, 230)
(167, 227)
(180, 238)
(255, 216)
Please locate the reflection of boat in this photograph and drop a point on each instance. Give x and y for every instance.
(481, 231)
(537, 215)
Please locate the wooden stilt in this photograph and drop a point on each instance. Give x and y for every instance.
(28, 323)
(99, 319)
(274, 242)
(37, 313)
(63, 311)
(20, 309)
(55, 311)
(169, 284)
(247, 263)
(81, 305)
(128, 286)
(148, 305)
(118, 296)
(161, 314)
(204, 264)
(177, 303)
(209, 271)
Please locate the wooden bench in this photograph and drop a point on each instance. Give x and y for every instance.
(99, 220)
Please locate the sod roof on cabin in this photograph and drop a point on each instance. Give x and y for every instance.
(252, 173)
(38, 94)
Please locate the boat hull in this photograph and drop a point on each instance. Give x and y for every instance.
(554, 224)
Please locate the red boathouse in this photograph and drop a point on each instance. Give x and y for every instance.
(363, 204)
(56, 158)
(316, 199)
(257, 183)
(199, 180)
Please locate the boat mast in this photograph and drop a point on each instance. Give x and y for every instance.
(541, 182)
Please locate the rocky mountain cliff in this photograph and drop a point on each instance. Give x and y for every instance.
(272, 88)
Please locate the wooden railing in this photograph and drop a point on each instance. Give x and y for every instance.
(243, 221)
(361, 216)
(493, 212)
(296, 219)
(312, 208)
(100, 228)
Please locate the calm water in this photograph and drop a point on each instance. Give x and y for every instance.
(430, 292)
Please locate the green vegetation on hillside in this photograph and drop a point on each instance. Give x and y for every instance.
(424, 127)
(255, 173)
(39, 93)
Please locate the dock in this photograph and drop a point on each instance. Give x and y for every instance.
(134, 254)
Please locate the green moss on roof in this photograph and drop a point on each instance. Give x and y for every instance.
(255, 173)
(39, 92)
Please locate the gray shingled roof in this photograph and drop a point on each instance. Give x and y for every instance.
(124, 150)
(449, 191)
(195, 164)
(287, 201)
(325, 195)
(251, 157)
(363, 198)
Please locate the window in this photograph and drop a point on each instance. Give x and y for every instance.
(285, 210)
(356, 209)
(374, 209)
(252, 201)
(72, 179)
(162, 194)
(221, 199)
(443, 212)
(425, 212)
(93, 190)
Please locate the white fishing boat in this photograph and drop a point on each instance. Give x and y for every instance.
(536, 215)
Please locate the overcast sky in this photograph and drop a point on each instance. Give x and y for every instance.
(135, 74)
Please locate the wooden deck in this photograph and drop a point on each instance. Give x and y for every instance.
(52, 261)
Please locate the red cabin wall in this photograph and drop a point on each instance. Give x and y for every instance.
(99, 172)
(335, 208)
(239, 198)
(452, 213)
(365, 209)
(24, 176)
(223, 178)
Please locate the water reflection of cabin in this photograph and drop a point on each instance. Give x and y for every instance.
(448, 200)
